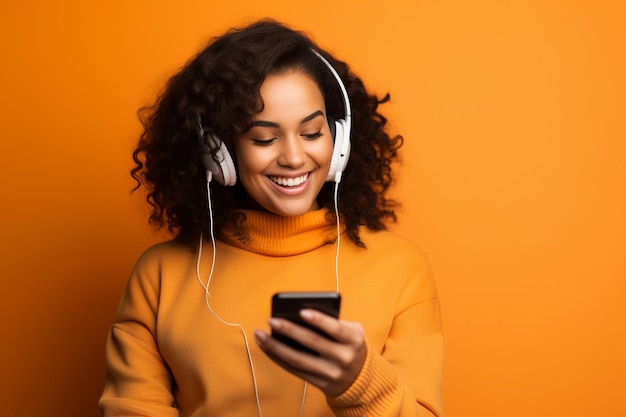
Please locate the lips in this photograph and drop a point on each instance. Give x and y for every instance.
(291, 181)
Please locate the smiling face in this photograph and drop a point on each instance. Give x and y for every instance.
(284, 158)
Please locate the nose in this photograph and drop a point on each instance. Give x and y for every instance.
(292, 152)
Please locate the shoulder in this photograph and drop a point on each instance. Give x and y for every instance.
(399, 257)
(390, 244)
(391, 264)
(388, 251)
(165, 261)
(167, 251)
(163, 258)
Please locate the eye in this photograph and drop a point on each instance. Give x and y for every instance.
(313, 135)
(263, 142)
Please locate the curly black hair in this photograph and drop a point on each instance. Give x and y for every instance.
(219, 90)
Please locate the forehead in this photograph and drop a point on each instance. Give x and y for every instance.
(291, 93)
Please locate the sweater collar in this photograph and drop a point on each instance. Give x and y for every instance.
(274, 235)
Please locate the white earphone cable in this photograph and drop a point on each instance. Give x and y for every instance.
(337, 180)
(338, 240)
(207, 294)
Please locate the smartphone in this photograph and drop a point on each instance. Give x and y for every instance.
(287, 305)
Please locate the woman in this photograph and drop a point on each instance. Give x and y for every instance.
(242, 156)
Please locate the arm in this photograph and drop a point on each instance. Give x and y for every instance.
(403, 379)
(138, 381)
(406, 378)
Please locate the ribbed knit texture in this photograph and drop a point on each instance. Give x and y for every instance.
(371, 393)
(168, 355)
(274, 235)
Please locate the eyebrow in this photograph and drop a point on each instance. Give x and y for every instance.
(265, 123)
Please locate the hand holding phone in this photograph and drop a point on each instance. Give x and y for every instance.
(287, 305)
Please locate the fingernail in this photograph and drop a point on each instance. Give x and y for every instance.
(260, 336)
(275, 324)
(306, 314)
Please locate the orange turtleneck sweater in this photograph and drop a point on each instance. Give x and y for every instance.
(169, 355)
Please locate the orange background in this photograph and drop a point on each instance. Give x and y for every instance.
(513, 180)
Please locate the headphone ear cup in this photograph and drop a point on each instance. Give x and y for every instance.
(223, 171)
(341, 148)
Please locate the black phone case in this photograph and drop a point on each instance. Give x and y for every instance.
(287, 305)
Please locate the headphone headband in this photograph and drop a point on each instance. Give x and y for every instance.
(223, 170)
(341, 149)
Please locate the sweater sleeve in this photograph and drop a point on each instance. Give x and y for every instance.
(138, 381)
(405, 379)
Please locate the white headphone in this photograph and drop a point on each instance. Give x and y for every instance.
(225, 173)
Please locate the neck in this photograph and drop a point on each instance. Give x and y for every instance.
(274, 235)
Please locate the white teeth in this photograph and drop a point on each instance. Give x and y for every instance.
(290, 182)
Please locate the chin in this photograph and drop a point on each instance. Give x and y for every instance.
(293, 211)
(290, 213)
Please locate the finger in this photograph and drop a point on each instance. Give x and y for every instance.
(322, 372)
(339, 330)
(300, 363)
(317, 371)
(336, 357)
(333, 371)
(310, 339)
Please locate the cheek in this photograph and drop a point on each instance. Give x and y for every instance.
(248, 162)
(327, 151)
(248, 173)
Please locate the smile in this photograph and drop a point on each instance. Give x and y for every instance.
(290, 182)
